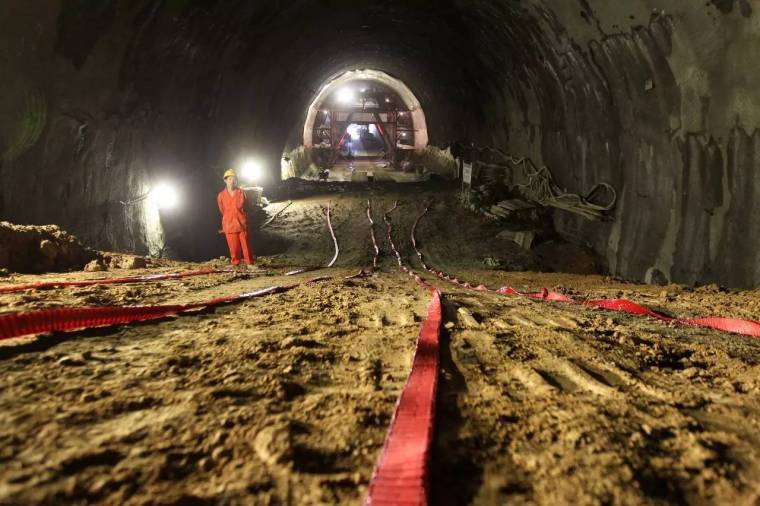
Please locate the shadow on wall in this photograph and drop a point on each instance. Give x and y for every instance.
(727, 6)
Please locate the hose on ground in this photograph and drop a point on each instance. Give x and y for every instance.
(335, 239)
(372, 234)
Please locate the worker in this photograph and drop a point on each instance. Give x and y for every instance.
(231, 202)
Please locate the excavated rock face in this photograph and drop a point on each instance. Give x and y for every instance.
(656, 97)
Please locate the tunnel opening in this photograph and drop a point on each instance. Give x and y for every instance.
(365, 96)
(363, 141)
(365, 120)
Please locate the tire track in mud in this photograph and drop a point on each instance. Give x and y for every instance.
(289, 401)
(570, 405)
(281, 402)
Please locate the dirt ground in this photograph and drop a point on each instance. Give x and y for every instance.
(286, 399)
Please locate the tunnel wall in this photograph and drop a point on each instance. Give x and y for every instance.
(109, 97)
(76, 138)
(658, 99)
(655, 97)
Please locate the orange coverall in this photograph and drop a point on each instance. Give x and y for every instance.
(235, 224)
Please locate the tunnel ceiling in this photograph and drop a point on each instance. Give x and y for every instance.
(279, 53)
(652, 96)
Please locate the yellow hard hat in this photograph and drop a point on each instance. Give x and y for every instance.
(230, 172)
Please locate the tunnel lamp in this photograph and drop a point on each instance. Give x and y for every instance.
(165, 196)
(251, 170)
(387, 100)
(345, 95)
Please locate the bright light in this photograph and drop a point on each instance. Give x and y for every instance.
(345, 95)
(165, 196)
(251, 170)
(387, 100)
(353, 131)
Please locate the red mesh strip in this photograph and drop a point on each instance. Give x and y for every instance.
(110, 281)
(401, 473)
(47, 320)
(733, 325)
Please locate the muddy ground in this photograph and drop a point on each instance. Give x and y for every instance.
(286, 399)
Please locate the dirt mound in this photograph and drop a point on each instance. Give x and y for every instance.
(560, 256)
(46, 248)
(450, 236)
(297, 187)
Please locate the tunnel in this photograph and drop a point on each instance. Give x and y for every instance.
(623, 95)
(605, 150)
(389, 95)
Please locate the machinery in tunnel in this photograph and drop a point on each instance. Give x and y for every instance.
(366, 113)
(366, 97)
(365, 118)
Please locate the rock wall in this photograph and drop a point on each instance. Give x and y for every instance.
(106, 99)
(657, 97)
